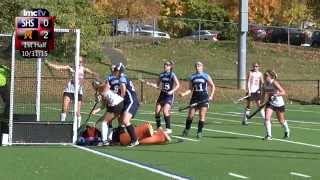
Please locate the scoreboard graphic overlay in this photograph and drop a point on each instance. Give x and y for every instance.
(34, 33)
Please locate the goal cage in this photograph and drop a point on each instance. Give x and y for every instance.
(36, 91)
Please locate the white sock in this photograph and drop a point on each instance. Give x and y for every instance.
(285, 126)
(268, 127)
(110, 133)
(104, 130)
(262, 112)
(79, 121)
(246, 113)
(63, 116)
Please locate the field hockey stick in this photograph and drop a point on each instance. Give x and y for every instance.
(88, 118)
(256, 111)
(241, 99)
(193, 105)
(149, 83)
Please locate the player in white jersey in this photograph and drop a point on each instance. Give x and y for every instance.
(274, 92)
(115, 105)
(254, 84)
(69, 90)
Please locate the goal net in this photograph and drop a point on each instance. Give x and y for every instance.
(36, 91)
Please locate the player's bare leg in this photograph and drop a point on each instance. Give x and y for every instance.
(167, 117)
(262, 112)
(157, 112)
(65, 108)
(202, 116)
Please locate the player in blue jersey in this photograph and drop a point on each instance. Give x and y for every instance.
(168, 83)
(198, 85)
(130, 103)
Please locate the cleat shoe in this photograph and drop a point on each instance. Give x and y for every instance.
(168, 131)
(185, 132)
(133, 144)
(199, 135)
(286, 135)
(267, 138)
(104, 143)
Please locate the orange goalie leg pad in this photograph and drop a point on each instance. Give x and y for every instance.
(158, 137)
(142, 131)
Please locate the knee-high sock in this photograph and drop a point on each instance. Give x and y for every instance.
(188, 123)
(158, 120)
(168, 123)
(285, 126)
(200, 126)
(63, 116)
(132, 133)
(262, 112)
(267, 124)
(104, 130)
(79, 121)
(246, 113)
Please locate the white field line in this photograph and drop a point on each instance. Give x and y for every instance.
(235, 121)
(302, 122)
(189, 139)
(300, 174)
(239, 134)
(239, 113)
(154, 170)
(237, 175)
(305, 111)
(228, 120)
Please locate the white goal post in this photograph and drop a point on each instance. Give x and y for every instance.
(38, 86)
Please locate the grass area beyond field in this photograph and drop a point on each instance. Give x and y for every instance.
(227, 151)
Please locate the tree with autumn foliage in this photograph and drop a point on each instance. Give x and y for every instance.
(193, 14)
(272, 12)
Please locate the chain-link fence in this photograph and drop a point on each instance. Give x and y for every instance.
(291, 52)
(146, 44)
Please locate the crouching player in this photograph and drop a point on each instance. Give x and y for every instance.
(113, 102)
